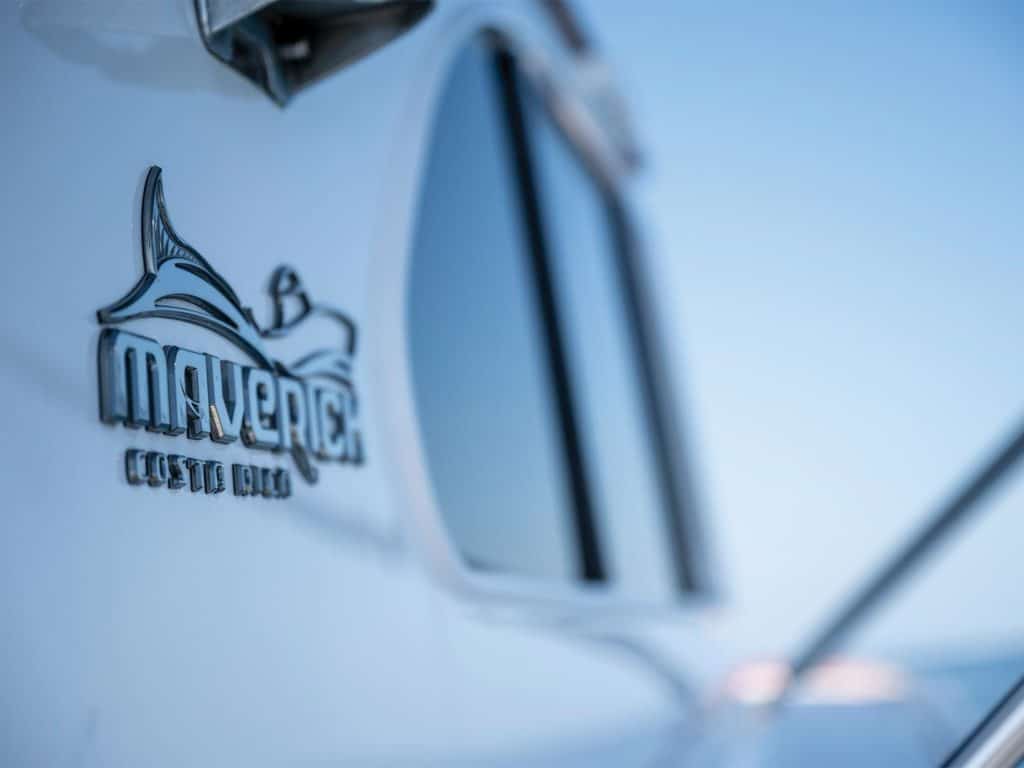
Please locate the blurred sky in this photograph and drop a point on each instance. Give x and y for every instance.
(837, 192)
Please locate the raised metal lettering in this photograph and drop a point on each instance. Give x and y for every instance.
(156, 468)
(178, 471)
(242, 476)
(133, 381)
(305, 406)
(135, 467)
(213, 474)
(261, 409)
(189, 393)
(227, 400)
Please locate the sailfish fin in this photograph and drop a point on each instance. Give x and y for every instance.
(159, 240)
(160, 243)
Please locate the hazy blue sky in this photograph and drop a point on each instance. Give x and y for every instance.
(837, 190)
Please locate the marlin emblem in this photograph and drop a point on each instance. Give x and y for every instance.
(179, 284)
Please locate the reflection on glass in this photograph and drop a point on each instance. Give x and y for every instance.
(483, 393)
(583, 253)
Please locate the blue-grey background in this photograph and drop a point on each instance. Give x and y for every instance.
(836, 189)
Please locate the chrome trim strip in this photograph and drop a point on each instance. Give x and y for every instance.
(998, 742)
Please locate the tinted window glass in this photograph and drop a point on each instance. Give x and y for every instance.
(583, 250)
(482, 387)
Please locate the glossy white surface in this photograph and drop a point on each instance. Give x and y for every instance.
(142, 627)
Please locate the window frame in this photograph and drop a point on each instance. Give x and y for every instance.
(658, 401)
(517, 39)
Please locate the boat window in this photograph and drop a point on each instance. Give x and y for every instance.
(525, 347)
(485, 394)
(585, 245)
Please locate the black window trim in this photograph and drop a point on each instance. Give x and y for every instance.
(591, 562)
(659, 395)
